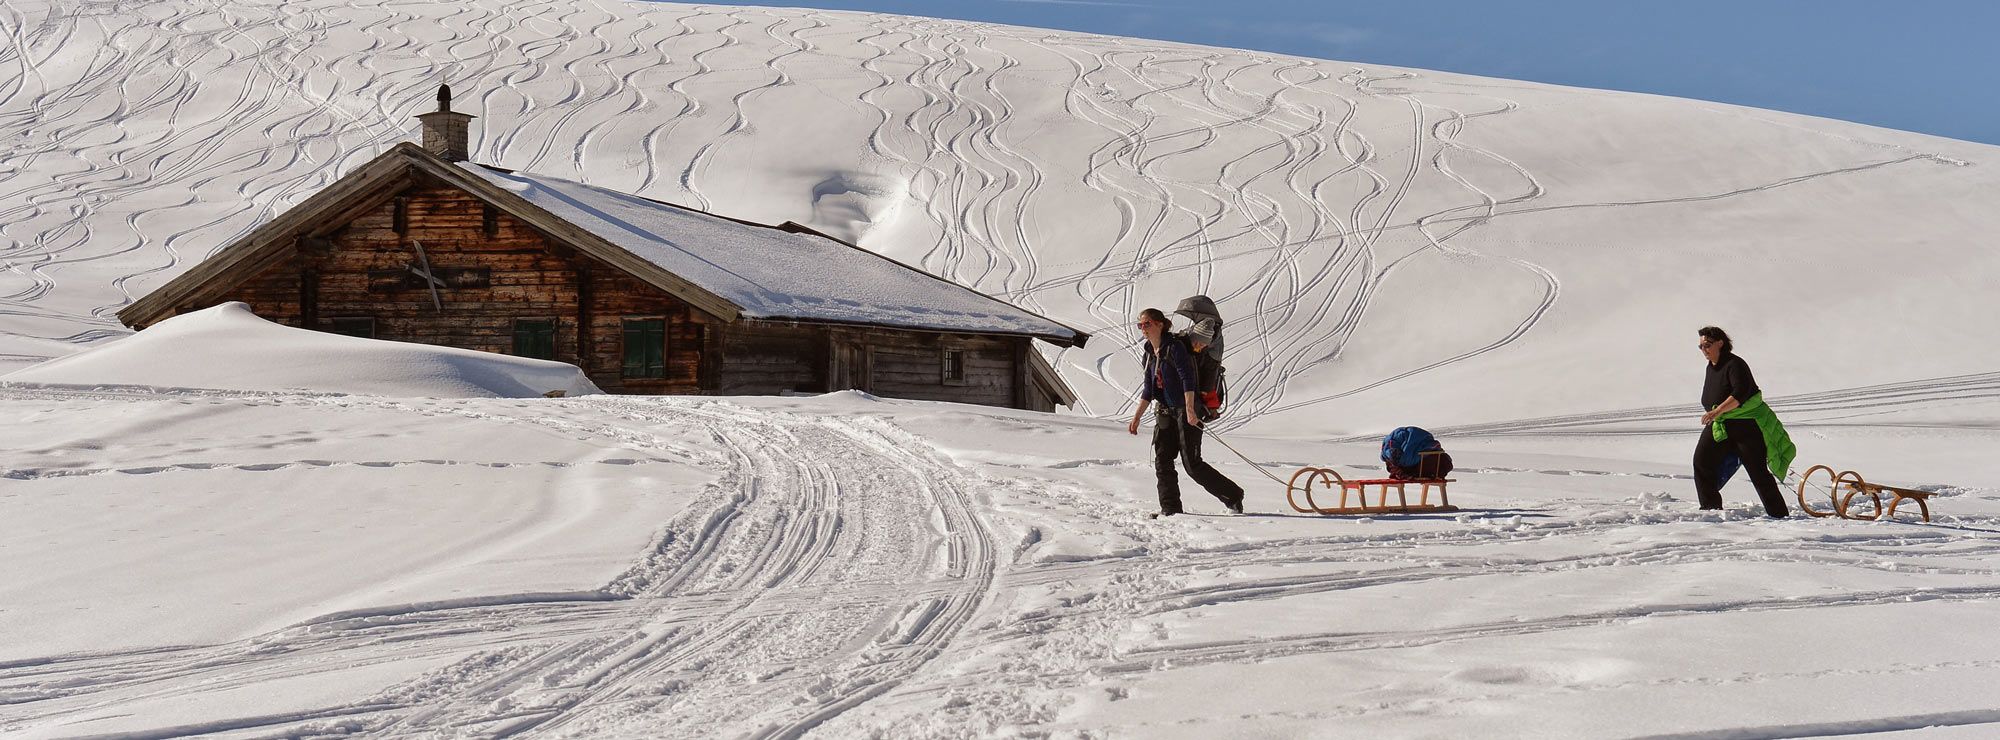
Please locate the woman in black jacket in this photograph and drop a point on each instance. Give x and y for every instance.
(1729, 387)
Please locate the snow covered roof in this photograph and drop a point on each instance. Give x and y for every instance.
(728, 267)
(771, 272)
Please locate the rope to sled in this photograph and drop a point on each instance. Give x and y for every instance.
(1254, 464)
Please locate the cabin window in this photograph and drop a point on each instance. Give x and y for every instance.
(953, 369)
(489, 219)
(353, 326)
(645, 348)
(535, 338)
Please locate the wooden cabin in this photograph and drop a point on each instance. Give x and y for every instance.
(420, 245)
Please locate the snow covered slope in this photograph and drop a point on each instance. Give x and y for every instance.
(1520, 267)
(228, 347)
(681, 567)
(1395, 246)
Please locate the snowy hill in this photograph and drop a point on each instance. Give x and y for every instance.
(189, 548)
(1391, 244)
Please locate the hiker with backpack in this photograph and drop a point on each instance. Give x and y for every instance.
(1171, 380)
(1738, 429)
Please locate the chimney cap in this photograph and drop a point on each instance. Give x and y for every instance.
(445, 131)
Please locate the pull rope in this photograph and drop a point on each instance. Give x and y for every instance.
(1253, 463)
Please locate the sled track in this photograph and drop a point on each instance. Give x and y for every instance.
(866, 555)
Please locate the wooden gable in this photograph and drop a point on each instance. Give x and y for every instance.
(306, 227)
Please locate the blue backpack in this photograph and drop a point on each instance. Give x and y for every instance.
(1404, 447)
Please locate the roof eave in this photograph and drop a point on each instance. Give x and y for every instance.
(1055, 339)
(1077, 339)
(256, 247)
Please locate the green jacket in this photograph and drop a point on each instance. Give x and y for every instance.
(1779, 452)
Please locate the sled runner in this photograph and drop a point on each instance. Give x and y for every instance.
(1855, 486)
(1328, 479)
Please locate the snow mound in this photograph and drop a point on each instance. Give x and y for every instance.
(228, 347)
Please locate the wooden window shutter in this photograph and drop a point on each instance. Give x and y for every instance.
(353, 326)
(645, 348)
(535, 338)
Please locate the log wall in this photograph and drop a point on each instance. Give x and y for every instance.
(906, 364)
(525, 276)
(500, 269)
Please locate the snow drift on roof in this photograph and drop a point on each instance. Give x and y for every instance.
(773, 274)
(229, 347)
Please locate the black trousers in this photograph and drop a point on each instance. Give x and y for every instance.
(1173, 438)
(1715, 462)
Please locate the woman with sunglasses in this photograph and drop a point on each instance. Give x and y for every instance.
(1170, 380)
(1737, 430)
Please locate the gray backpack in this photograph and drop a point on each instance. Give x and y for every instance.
(1206, 330)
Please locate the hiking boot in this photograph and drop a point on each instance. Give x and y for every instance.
(1235, 507)
(1161, 514)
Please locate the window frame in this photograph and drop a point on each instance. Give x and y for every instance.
(945, 376)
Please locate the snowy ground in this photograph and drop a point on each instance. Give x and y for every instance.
(1519, 267)
(180, 562)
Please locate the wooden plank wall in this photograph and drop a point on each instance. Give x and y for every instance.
(909, 364)
(766, 358)
(529, 278)
(616, 296)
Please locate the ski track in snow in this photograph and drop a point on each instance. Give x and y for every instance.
(787, 566)
(187, 124)
(840, 570)
(841, 589)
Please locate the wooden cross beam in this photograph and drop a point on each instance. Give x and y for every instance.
(423, 270)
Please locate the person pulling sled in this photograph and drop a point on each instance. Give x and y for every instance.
(1172, 381)
(1738, 430)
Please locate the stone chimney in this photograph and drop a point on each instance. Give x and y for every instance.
(447, 134)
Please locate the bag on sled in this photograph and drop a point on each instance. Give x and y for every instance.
(1410, 453)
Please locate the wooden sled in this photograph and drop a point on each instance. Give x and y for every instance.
(1328, 479)
(1855, 486)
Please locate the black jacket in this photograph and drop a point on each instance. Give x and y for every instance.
(1729, 376)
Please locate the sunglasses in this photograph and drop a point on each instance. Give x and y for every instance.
(1705, 344)
(1143, 323)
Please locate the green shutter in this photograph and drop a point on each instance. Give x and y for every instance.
(645, 348)
(535, 338)
(353, 327)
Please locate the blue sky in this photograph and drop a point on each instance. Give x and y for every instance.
(1918, 65)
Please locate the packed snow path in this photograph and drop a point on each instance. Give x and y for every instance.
(856, 566)
(829, 563)
(1375, 235)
